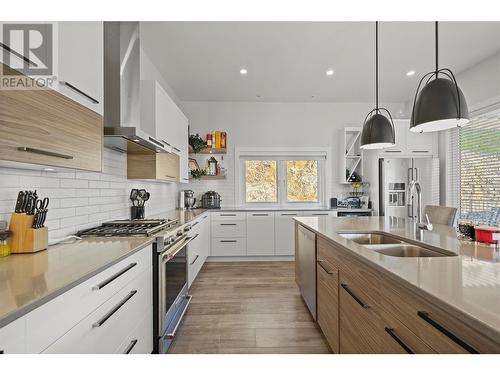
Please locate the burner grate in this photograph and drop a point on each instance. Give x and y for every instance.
(128, 228)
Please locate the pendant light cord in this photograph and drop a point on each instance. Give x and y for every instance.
(376, 65)
(437, 48)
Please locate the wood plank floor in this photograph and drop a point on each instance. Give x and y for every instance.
(247, 307)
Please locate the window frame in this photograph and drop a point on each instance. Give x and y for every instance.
(322, 154)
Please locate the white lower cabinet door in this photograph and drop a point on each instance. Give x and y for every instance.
(260, 233)
(107, 327)
(194, 250)
(228, 247)
(13, 337)
(284, 226)
(140, 340)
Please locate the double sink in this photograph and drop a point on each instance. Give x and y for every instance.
(387, 244)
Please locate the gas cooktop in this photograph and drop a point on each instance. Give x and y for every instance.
(126, 228)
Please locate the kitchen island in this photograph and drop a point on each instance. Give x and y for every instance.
(442, 304)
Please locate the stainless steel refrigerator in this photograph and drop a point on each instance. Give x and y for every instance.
(395, 176)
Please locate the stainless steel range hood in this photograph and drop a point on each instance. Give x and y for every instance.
(122, 89)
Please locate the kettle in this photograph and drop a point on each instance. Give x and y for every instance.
(189, 199)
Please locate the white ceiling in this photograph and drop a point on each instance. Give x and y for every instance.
(287, 61)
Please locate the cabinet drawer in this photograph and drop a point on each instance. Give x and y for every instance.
(363, 329)
(228, 247)
(228, 215)
(45, 127)
(228, 228)
(13, 337)
(107, 327)
(51, 320)
(140, 340)
(328, 302)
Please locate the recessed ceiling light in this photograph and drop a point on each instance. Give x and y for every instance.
(49, 169)
(243, 71)
(330, 72)
(137, 140)
(410, 73)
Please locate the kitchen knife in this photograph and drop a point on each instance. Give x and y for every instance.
(31, 203)
(19, 202)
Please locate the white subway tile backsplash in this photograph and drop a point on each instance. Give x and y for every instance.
(80, 200)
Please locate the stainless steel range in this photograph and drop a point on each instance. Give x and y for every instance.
(128, 228)
(170, 297)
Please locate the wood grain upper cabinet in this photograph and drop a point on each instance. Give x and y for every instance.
(47, 128)
(328, 302)
(80, 63)
(145, 164)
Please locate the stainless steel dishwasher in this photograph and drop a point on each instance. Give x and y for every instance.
(305, 267)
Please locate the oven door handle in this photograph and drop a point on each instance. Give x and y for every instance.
(181, 245)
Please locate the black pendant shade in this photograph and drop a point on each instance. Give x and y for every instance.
(378, 130)
(440, 104)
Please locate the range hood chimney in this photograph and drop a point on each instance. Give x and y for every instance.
(122, 89)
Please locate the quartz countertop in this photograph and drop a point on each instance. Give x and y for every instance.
(468, 283)
(30, 280)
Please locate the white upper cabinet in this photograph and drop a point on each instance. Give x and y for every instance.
(80, 63)
(162, 118)
(411, 144)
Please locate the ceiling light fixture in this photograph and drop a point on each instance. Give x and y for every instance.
(49, 169)
(243, 71)
(410, 73)
(330, 72)
(440, 105)
(378, 130)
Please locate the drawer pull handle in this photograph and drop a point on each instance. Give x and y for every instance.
(194, 261)
(114, 309)
(228, 224)
(43, 152)
(392, 333)
(130, 346)
(169, 176)
(227, 214)
(114, 277)
(195, 224)
(225, 241)
(425, 316)
(18, 55)
(420, 151)
(294, 214)
(168, 144)
(176, 149)
(260, 214)
(355, 297)
(328, 270)
(77, 90)
(171, 334)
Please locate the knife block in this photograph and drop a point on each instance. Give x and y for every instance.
(24, 238)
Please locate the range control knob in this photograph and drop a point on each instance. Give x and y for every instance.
(179, 233)
(187, 228)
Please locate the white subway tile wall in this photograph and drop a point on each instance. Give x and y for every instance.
(80, 200)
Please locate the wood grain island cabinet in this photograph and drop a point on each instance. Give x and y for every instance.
(361, 310)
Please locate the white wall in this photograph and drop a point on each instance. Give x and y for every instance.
(84, 199)
(253, 124)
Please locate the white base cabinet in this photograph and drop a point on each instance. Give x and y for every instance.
(199, 248)
(109, 313)
(13, 337)
(256, 233)
(260, 233)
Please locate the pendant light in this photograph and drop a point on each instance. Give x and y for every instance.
(378, 130)
(440, 104)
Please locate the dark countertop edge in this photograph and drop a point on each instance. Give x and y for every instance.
(463, 316)
(20, 312)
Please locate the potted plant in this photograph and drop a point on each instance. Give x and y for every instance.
(197, 143)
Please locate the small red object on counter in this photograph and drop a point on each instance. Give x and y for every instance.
(485, 234)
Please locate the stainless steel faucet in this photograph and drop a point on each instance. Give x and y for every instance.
(416, 190)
